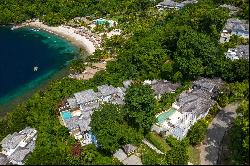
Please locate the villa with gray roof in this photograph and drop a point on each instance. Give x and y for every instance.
(234, 26)
(17, 146)
(77, 110)
(240, 52)
(170, 4)
(86, 97)
(161, 87)
(189, 107)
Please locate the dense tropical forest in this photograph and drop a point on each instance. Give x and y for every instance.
(175, 45)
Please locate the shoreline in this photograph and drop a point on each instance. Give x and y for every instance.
(65, 32)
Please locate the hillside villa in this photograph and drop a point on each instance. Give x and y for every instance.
(77, 110)
(161, 87)
(240, 52)
(16, 146)
(235, 26)
(191, 105)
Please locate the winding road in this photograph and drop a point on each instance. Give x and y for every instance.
(209, 149)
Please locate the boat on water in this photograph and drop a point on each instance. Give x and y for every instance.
(13, 28)
(35, 68)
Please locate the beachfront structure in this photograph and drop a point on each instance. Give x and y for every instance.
(240, 52)
(102, 21)
(161, 87)
(77, 111)
(235, 26)
(170, 4)
(191, 106)
(16, 146)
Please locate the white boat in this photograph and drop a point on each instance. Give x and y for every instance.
(35, 68)
(13, 28)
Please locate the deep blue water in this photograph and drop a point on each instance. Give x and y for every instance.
(23, 49)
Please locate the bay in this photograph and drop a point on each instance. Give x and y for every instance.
(23, 49)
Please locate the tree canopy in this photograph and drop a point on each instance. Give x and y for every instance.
(140, 107)
(111, 129)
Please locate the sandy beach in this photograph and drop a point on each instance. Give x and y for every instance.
(67, 33)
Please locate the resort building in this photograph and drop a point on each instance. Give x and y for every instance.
(235, 26)
(240, 52)
(16, 146)
(102, 21)
(161, 87)
(170, 4)
(76, 112)
(191, 106)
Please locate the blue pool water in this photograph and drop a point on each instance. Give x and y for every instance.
(66, 115)
(165, 115)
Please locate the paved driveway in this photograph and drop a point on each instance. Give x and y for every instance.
(210, 148)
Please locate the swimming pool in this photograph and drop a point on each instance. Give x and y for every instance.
(66, 115)
(165, 115)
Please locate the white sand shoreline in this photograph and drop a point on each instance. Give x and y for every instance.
(66, 32)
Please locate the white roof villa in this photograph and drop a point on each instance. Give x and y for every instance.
(190, 106)
(17, 146)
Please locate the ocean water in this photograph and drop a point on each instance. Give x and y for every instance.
(23, 49)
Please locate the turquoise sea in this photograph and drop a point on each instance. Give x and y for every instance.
(23, 49)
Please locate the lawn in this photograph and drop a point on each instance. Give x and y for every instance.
(158, 142)
(150, 157)
(194, 155)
